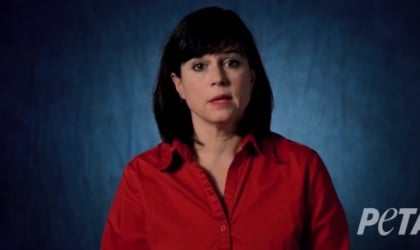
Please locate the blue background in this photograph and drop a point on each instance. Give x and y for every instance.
(76, 82)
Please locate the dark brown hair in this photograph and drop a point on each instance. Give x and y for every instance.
(206, 31)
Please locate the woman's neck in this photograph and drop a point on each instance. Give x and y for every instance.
(217, 145)
(214, 141)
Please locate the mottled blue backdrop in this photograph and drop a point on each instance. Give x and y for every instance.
(76, 82)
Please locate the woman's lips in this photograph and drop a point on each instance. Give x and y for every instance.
(220, 98)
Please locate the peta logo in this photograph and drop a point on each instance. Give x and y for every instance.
(371, 217)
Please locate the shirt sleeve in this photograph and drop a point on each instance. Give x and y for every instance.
(124, 228)
(326, 220)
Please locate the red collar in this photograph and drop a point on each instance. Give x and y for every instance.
(168, 153)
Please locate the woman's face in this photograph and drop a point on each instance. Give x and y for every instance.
(216, 87)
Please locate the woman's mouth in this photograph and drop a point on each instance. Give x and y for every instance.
(221, 100)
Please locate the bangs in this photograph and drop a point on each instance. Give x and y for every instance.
(199, 44)
(208, 33)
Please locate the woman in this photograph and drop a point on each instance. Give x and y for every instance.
(221, 179)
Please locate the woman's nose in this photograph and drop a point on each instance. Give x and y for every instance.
(218, 76)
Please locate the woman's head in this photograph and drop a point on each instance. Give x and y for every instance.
(214, 46)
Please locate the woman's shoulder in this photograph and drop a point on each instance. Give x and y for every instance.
(281, 148)
(158, 157)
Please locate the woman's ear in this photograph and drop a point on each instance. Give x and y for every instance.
(252, 77)
(178, 85)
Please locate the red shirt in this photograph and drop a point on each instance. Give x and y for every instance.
(278, 195)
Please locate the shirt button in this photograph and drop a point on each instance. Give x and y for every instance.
(222, 228)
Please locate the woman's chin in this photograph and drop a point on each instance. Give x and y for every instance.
(223, 121)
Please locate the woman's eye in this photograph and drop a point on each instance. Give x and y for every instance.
(198, 67)
(232, 63)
